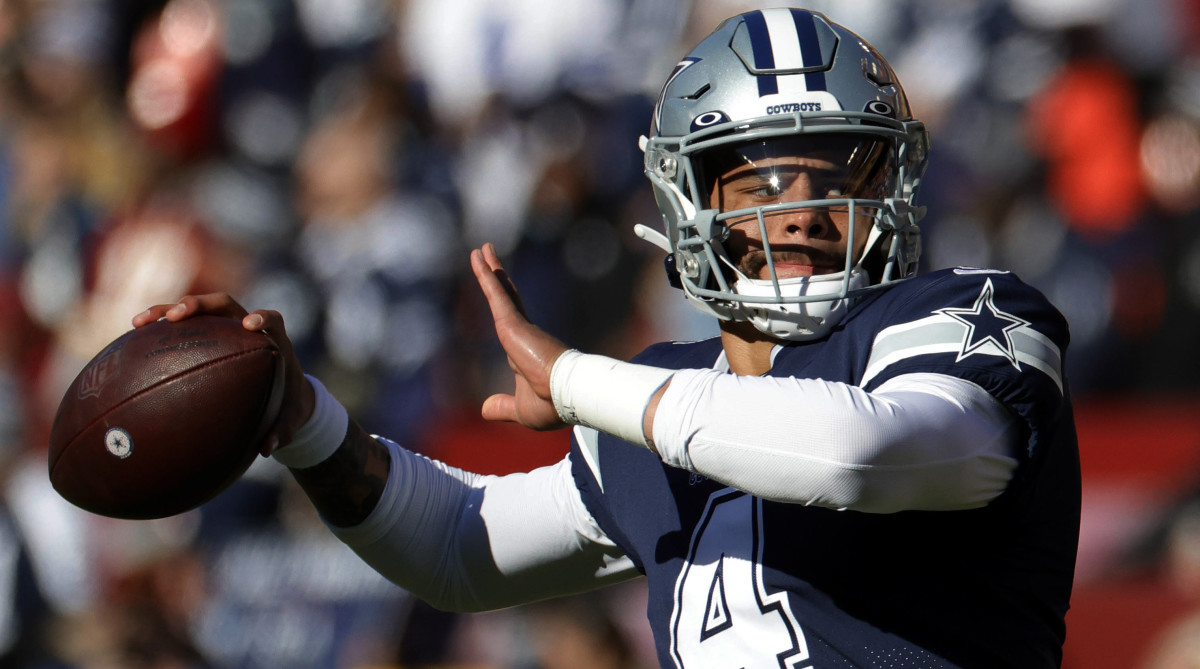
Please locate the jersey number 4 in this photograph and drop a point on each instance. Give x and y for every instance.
(724, 618)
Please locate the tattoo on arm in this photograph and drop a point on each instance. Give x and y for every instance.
(346, 487)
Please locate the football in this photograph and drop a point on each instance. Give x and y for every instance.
(165, 417)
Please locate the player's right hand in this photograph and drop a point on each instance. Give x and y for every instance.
(531, 351)
(298, 396)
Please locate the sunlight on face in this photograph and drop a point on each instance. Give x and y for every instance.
(808, 238)
(805, 241)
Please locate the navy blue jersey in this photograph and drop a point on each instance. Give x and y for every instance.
(736, 581)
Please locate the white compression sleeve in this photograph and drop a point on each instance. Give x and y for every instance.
(920, 441)
(466, 542)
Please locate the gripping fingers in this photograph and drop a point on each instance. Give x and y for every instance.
(216, 304)
(263, 320)
(151, 315)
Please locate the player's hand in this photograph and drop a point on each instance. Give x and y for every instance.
(298, 397)
(531, 351)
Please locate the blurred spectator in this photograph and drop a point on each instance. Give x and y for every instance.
(24, 613)
(1178, 645)
(1178, 648)
(1086, 124)
(282, 592)
(384, 259)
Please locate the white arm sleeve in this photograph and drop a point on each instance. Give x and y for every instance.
(466, 542)
(919, 441)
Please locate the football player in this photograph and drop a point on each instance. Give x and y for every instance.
(869, 467)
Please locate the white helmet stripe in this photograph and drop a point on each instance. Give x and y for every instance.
(785, 45)
(785, 42)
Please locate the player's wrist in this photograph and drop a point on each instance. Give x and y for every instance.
(604, 393)
(320, 436)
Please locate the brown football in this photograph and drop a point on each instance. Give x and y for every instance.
(165, 417)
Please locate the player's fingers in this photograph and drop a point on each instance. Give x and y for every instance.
(293, 413)
(488, 250)
(498, 288)
(493, 261)
(498, 298)
(264, 320)
(216, 304)
(151, 315)
(270, 323)
(500, 408)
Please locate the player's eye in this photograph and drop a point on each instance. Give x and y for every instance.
(770, 187)
(767, 186)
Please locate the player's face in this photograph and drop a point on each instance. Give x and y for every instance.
(804, 241)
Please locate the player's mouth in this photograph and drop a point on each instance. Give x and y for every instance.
(790, 264)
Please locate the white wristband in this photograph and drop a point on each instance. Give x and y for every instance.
(604, 393)
(317, 439)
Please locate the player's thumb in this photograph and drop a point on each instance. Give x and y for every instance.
(500, 407)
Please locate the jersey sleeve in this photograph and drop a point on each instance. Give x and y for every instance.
(468, 542)
(984, 326)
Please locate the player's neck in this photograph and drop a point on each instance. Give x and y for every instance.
(747, 349)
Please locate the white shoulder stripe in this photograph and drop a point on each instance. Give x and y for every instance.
(940, 333)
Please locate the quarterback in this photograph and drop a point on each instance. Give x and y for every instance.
(868, 467)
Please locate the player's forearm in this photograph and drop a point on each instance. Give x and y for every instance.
(339, 466)
(346, 487)
(465, 542)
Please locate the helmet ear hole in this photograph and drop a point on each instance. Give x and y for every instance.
(672, 272)
(876, 258)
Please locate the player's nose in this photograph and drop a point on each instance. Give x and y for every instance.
(799, 224)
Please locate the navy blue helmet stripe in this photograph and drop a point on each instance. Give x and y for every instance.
(764, 58)
(810, 48)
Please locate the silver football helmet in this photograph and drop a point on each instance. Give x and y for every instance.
(764, 88)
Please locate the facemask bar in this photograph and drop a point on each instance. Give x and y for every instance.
(856, 209)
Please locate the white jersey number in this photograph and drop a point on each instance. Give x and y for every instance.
(724, 618)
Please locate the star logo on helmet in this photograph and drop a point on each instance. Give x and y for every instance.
(987, 327)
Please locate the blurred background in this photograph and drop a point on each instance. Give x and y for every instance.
(336, 160)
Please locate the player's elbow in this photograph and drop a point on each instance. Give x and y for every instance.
(874, 478)
(970, 482)
(919, 466)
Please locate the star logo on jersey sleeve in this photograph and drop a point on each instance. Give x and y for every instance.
(986, 326)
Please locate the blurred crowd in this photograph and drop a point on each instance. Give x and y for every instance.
(336, 159)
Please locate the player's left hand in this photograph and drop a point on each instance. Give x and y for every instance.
(531, 351)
